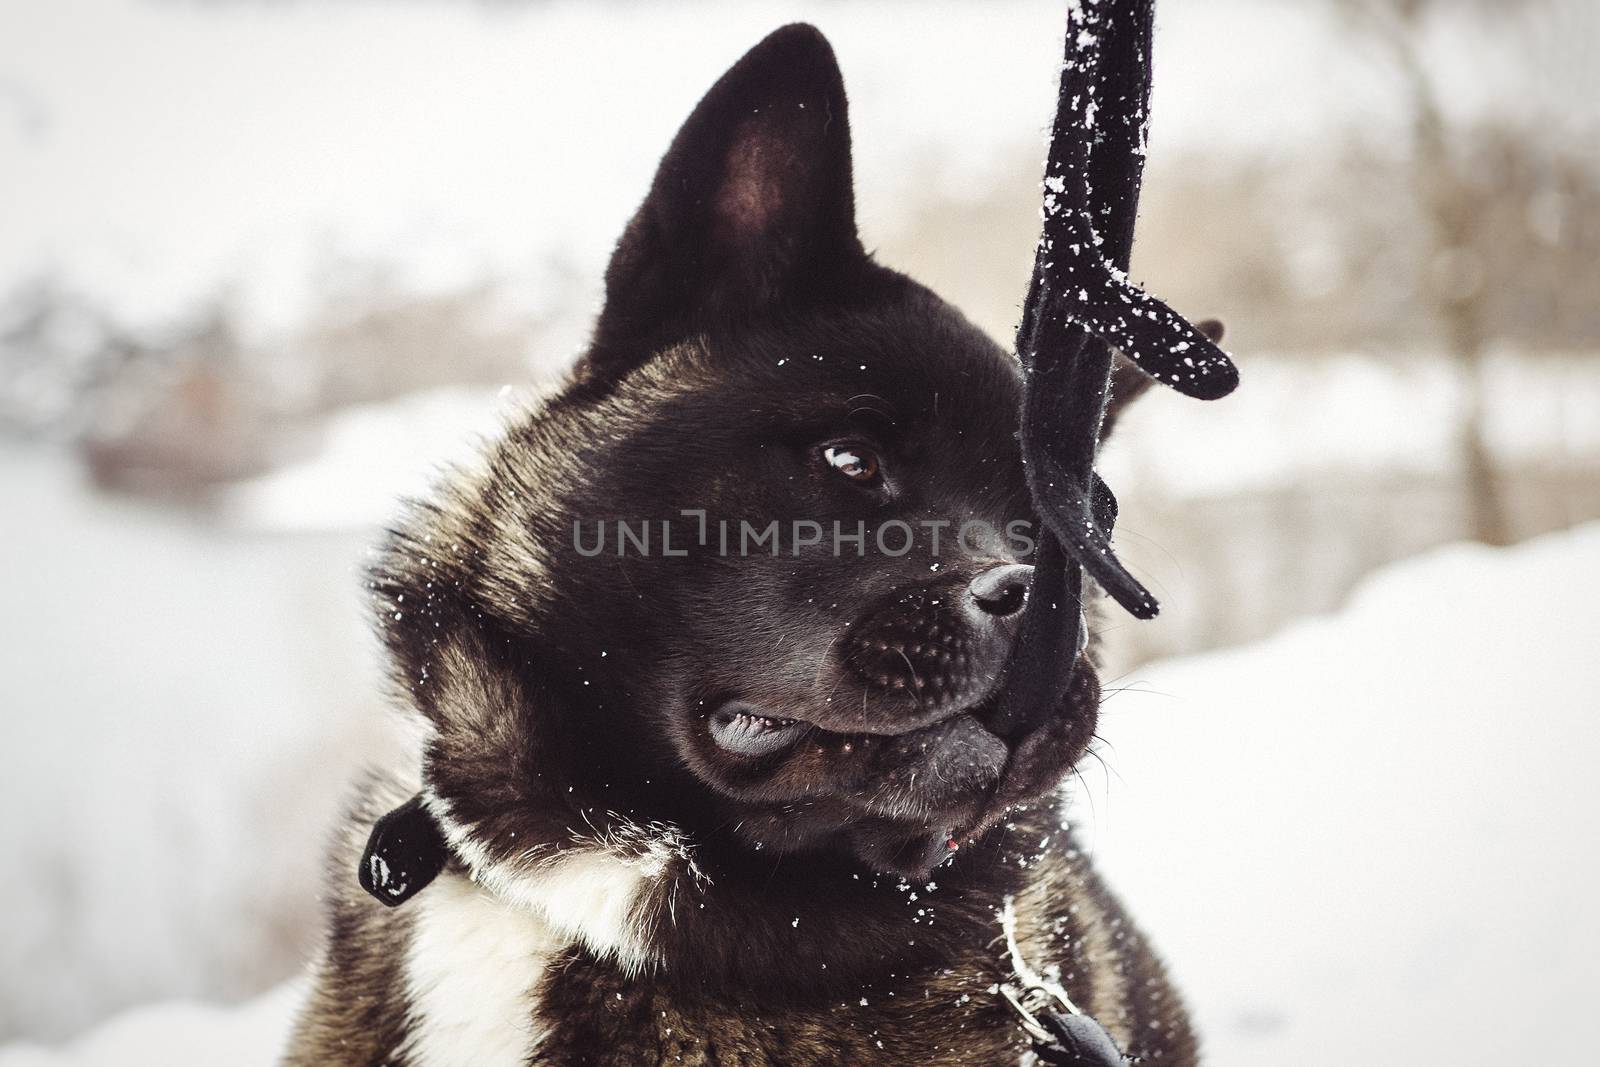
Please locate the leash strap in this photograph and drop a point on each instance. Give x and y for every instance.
(1080, 304)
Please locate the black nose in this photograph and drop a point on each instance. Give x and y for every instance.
(1001, 590)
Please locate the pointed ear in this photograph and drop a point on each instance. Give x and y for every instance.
(751, 210)
(1129, 383)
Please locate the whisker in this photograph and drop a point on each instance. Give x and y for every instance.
(822, 661)
(916, 694)
(1094, 813)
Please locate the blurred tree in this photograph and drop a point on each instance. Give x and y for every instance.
(1460, 183)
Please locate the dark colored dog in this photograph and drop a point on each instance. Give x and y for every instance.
(732, 798)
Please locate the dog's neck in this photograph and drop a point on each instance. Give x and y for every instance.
(714, 915)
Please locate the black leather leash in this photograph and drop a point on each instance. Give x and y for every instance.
(1080, 307)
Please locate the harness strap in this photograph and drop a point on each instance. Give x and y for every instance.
(1063, 1034)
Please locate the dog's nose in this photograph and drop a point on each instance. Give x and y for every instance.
(1001, 591)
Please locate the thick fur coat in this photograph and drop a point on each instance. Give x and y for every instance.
(732, 807)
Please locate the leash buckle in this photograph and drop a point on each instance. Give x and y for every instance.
(1015, 996)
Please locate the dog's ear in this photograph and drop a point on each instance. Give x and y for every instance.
(1129, 383)
(750, 212)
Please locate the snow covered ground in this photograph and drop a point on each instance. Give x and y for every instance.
(1370, 839)
(1366, 840)
(1354, 415)
(183, 710)
(370, 457)
(177, 1034)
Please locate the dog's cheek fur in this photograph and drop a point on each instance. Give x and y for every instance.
(534, 837)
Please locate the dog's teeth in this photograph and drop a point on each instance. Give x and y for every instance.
(760, 722)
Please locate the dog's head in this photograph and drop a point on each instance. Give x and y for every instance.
(758, 568)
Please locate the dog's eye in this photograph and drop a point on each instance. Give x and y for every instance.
(854, 462)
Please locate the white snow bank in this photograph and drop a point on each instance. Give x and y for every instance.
(177, 1035)
(1367, 840)
(1370, 839)
(185, 706)
(1399, 413)
(371, 457)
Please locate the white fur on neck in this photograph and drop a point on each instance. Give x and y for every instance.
(597, 892)
(473, 967)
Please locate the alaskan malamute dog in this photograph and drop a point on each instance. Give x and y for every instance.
(709, 750)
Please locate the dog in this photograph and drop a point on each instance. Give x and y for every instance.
(708, 750)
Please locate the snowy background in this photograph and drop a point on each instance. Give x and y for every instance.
(265, 265)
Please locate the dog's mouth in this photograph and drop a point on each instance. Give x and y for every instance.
(741, 729)
(748, 731)
(958, 771)
(901, 793)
